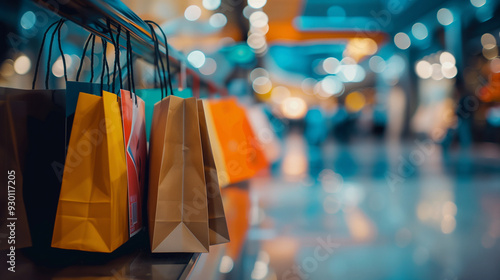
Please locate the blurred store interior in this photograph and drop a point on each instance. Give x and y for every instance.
(384, 136)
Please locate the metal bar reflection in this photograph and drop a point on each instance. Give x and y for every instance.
(93, 14)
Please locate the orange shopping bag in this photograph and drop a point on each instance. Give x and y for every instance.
(237, 152)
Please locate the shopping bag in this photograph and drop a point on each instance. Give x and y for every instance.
(14, 227)
(38, 121)
(236, 150)
(92, 209)
(216, 218)
(134, 133)
(177, 200)
(73, 90)
(151, 97)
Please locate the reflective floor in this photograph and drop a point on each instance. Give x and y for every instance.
(366, 210)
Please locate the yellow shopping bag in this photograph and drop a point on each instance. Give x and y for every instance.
(92, 212)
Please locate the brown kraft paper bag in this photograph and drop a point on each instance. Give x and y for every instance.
(177, 200)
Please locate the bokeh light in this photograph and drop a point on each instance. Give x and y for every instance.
(445, 16)
(419, 31)
(294, 108)
(331, 65)
(423, 69)
(217, 20)
(488, 41)
(257, 4)
(211, 4)
(22, 65)
(196, 58)
(355, 101)
(262, 85)
(478, 3)
(192, 13)
(377, 64)
(208, 67)
(402, 40)
(28, 20)
(258, 19)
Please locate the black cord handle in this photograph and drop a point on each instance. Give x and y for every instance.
(166, 52)
(40, 53)
(89, 38)
(61, 50)
(161, 73)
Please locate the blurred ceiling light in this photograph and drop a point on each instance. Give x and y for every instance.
(445, 16)
(447, 59)
(258, 19)
(192, 13)
(256, 41)
(402, 40)
(331, 65)
(449, 72)
(437, 74)
(308, 85)
(294, 108)
(258, 72)
(478, 3)
(419, 31)
(262, 85)
(279, 94)
(331, 85)
(355, 101)
(377, 64)
(208, 67)
(423, 69)
(488, 41)
(336, 13)
(211, 4)
(257, 4)
(22, 65)
(196, 58)
(226, 264)
(490, 53)
(28, 20)
(218, 20)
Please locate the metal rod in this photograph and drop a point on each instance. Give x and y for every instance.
(93, 14)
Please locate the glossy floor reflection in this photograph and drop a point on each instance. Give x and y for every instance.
(371, 210)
